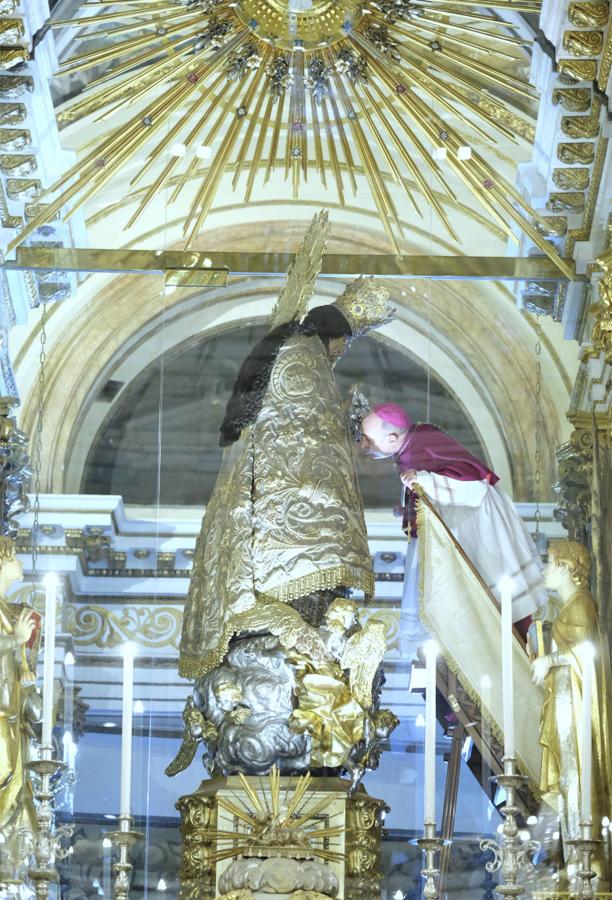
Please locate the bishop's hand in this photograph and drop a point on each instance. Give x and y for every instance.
(409, 478)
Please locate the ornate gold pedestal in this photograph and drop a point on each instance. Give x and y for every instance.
(284, 818)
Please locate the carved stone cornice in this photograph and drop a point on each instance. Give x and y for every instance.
(575, 469)
(28, 145)
(578, 146)
(581, 438)
(94, 548)
(110, 554)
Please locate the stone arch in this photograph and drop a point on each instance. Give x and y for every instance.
(471, 334)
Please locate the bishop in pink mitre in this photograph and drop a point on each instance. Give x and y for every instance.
(466, 495)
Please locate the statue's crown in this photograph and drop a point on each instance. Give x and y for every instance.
(365, 305)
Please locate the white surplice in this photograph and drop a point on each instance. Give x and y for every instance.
(485, 524)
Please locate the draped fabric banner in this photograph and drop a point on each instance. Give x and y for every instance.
(463, 616)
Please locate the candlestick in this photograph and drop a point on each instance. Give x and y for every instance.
(125, 805)
(124, 838)
(585, 845)
(47, 837)
(511, 855)
(430, 649)
(587, 652)
(431, 872)
(505, 587)
(51, 584)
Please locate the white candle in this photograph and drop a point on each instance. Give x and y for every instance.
(51, 584)
(431, 652)
(505, 587)
(125, 806)
(587, 653)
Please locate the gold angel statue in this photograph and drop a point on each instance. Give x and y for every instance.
(561, 673)
(20, 709)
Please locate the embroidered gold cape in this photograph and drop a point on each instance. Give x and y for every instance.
(286, 515)
(576, 623)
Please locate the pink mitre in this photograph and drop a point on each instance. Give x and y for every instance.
(394, 414)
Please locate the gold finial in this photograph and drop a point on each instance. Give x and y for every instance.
(365, 305)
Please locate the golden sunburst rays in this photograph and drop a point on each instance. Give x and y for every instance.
(397, 90)
(270, 820)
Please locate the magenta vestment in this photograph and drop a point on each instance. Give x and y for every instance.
(428, 449)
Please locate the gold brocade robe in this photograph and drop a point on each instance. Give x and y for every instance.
(286, 515)
(560, 734)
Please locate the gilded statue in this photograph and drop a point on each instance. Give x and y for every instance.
(285, 522)
(338, 712)
(20, 709)
(269, 627)
(561, 672)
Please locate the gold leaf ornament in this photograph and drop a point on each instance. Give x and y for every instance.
(588, 14)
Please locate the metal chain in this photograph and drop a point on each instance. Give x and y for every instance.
(38, 445)
(538, 425)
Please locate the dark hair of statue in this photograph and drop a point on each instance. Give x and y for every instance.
(247, 396)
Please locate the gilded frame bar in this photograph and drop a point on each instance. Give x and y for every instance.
(190, 268)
